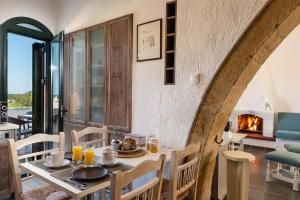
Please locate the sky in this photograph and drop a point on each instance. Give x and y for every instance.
(19, 63)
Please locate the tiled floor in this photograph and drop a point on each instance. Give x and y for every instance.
(259, 188)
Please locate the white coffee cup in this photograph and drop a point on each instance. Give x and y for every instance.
(116, 144)
(57, 157)
(108, 156)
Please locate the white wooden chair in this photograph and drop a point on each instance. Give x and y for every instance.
(184, 170)
(148, 191)
(79, 136)
(42, 192)
(103, 132)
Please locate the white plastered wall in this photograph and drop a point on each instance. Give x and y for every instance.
(206, 31)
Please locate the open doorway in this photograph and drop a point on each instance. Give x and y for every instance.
(31, 76)
(20, 78)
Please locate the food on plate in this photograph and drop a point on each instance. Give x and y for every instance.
(128, 144)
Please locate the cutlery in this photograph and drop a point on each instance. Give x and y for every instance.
(78, 181)
(78, 184)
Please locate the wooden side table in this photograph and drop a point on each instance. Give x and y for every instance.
(219, 185)
(9, 127)
(238, 174)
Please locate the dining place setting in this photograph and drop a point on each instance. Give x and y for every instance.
(108, 168)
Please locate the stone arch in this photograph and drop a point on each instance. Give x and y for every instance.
(275, 21)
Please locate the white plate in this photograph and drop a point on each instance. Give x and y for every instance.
(51, 165)
(127, 151)
(116, 161)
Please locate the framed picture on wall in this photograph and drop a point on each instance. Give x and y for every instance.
(149, 36)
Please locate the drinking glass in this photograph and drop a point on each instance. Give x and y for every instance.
(89, 155)
(77, 153)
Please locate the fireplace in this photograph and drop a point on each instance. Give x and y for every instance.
(248, 123)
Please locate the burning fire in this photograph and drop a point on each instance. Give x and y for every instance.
(250, 123)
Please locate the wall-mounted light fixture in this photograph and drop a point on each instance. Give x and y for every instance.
(195, 78)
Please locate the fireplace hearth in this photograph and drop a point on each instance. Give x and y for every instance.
(249, 123)
(263, 132)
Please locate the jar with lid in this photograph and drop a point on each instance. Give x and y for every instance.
(152, 144)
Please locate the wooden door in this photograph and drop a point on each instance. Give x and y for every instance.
(38, 88)
(119, 73)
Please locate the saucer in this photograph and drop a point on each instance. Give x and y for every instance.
(106, 164)
(51, 165)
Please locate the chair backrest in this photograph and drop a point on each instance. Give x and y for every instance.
(37, 138)
(103, 132)
(148, 191)
(184, 171)
(288, 121)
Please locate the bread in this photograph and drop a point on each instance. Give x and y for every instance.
(128, 144)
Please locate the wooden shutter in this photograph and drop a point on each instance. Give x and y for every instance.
(119, 73)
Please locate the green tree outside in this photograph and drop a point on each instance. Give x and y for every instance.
(20, 100)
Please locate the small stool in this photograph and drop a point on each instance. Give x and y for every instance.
(287, 158)
(238, 174)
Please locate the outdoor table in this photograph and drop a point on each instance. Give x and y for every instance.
(9, 127)
(54, 177)
(25, 117)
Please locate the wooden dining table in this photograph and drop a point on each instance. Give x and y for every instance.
(55, 177)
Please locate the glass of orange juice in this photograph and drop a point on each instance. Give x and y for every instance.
(89, 156)
(77, 153)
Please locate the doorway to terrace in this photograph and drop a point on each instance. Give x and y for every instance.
(20, 80)
(30, 75)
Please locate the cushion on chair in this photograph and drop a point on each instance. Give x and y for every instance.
(292, 148)
(284, 157)
(286, 134)
(43, 193)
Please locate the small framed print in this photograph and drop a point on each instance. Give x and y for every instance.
(149, 36)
